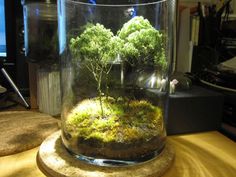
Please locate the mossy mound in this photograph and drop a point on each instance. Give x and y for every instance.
(123, 121)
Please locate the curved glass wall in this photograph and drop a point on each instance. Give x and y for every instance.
(115, 63)
(41, 38)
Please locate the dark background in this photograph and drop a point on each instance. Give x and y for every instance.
(15, 63)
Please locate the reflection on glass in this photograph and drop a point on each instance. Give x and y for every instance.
(115, 69)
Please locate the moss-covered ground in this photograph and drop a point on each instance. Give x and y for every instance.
(123, 121)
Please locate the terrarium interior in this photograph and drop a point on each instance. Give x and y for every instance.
(115, 66)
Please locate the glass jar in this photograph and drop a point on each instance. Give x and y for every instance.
(115, 65)
(41, 37)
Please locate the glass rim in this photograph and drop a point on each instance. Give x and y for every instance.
(116, 5)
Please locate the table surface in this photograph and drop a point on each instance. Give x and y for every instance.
(206, 154)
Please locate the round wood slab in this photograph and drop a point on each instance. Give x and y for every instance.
(23, 130)
(54, 160)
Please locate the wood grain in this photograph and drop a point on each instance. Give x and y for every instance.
(207, 154)
(56, 161)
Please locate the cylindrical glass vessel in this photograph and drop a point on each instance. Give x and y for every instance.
(40, 26)
(115, 64)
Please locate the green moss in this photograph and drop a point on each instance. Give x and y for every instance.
(123, 121)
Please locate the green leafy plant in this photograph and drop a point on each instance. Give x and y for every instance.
(96, 48)
(143, 44)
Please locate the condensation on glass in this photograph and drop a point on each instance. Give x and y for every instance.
(115, 64)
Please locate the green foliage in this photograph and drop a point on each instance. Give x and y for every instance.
(96, 48)
(132, 120)
(138, 42)
(143, 43)
(95, 45)
(135, 24)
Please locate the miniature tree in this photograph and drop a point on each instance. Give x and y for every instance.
(143, 43)
(137, 42)
(96, 48)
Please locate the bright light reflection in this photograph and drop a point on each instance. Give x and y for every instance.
(153, 78)
(155, 81)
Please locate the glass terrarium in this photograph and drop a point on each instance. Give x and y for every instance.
(115, 65)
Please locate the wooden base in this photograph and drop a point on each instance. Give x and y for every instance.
(54, 160)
